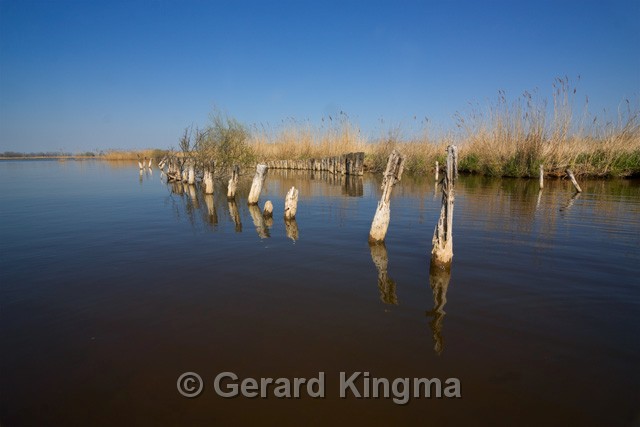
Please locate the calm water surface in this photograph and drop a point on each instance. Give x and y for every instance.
(115, 283)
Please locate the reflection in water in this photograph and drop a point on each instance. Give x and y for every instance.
(235, 216)
(191, 190)
(570, 203)
(258, 221)
(439, 279)
(291, 227)
(539, 198)
(353, 186)
(311, 183)
(212, 216)
(386, 285)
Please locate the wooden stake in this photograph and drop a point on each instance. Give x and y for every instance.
(573, 180)
(207, 179)
(233, 183)
(541, 176)
(268, 209)
(291, 204)
(442, 251)
(256, 186)
(437, 170)
(392, 175)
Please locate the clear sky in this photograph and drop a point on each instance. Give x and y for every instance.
(81, 75)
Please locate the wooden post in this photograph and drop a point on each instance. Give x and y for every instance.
(437, 170)
(541, 176)
(140, 164)
(233, 183)
(291, 204)
(392, 175)
(256, 186)
(207, 179)
(150, 158)
(573, 180)
(191, 170)
(442, 251)
(268, 209)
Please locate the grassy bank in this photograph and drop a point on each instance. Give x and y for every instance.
(506, 138)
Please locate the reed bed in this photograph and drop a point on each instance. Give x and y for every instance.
(117, 155)
(505, 138)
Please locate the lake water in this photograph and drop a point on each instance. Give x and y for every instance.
(115, 283)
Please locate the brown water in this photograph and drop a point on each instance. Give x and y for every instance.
(114, 284)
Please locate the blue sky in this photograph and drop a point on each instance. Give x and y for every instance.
(81, 75)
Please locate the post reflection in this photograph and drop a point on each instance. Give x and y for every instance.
(259, 222)
(235, 215)
(291, 227)
(570, 202)
(353, 186)
(439, 279)
(386, 285)
(212, 216)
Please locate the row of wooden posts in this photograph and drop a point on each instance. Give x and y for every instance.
(351, 164)
(346, 164)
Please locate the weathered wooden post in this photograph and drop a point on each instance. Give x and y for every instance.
(268, 209)
(442, 251)
(191, 170)
(392, 175)
(150, 159)
(207, 178)
(541, 176)
(140, 164)
(256, 186)
(185, 171)
(233, 182)
(291, 204)
(437, 170)
(573, 180)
